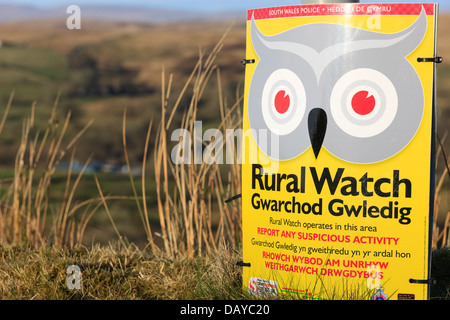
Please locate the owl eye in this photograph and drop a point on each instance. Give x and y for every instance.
(363, 102)
(283, 101)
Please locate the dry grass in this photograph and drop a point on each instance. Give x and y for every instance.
(115, 273)
(190, 197)
(440, 236)
(24, 208)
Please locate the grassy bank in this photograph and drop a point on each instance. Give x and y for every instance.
(113, 272)
(116, 273)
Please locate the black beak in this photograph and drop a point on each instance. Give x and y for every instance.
(317, 126)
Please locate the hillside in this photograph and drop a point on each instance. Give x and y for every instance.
(110, 65)
(130, 14)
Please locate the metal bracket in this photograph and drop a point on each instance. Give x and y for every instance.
(242, 264)
(245, 61)
(434, 59)
(233, 198)
(423, 281)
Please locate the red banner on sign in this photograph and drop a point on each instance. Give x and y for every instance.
(340, 9)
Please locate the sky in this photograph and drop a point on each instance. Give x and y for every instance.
(198, 5)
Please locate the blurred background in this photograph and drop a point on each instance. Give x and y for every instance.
(115, 62)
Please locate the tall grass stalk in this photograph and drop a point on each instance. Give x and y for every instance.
(190, 197)
(142, 212)
(25, 208)
(439, 238)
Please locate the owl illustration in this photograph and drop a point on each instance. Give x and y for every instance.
(348, 90)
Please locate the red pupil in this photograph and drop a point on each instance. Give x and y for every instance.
(282, 101)
(362, 104)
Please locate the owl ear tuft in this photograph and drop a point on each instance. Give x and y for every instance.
(410, 38)
(257, 37)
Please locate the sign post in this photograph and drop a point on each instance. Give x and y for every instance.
(338, 172)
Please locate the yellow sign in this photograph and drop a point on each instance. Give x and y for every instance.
(337, 172)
